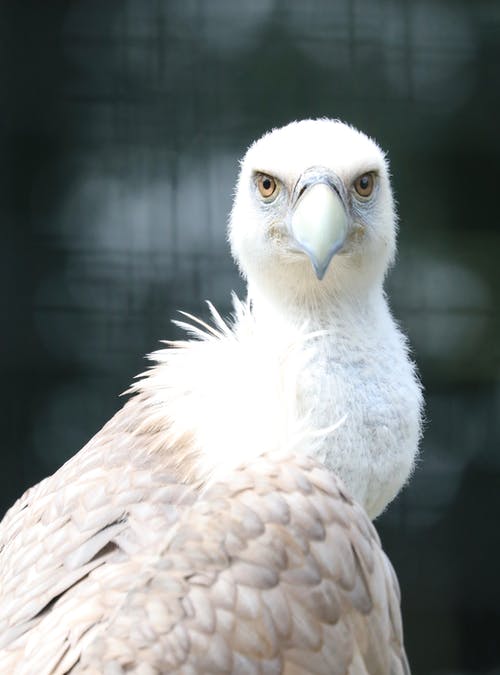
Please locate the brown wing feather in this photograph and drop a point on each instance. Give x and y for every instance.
(113, 564)
(110, 504)
(261, 578)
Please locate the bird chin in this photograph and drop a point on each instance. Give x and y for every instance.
(301, 266)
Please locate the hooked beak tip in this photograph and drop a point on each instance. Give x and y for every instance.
(320, 268)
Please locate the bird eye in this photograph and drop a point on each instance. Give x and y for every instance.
(267, 185)
(364, 185)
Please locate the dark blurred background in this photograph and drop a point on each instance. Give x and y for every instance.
(121, 124)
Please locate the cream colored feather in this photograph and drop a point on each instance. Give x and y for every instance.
(206, 528)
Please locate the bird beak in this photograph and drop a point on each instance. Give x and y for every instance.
(319, 225)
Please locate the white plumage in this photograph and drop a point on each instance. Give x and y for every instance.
(359, 367)
(204, 528)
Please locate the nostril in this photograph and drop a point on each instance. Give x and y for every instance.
(302, 190)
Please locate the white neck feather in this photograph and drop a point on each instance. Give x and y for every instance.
(285, 380)
(318, 311)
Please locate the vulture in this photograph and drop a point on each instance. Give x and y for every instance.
(220, 522)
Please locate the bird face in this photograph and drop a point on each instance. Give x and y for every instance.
(314, 207)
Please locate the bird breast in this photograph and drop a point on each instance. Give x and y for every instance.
(373, 390)
(345, 395)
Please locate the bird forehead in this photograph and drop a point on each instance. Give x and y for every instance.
(289, 151)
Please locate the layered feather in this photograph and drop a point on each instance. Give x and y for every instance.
(196, 542)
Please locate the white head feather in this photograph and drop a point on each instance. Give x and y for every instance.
(259, 231)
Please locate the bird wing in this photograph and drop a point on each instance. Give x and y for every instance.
(112, 502)
(274, 570)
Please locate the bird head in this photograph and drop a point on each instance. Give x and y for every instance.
(313, 211)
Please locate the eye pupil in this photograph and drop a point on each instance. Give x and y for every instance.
(266, 184)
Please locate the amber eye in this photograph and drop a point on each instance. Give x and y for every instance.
(364, 185)
(267, 185)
